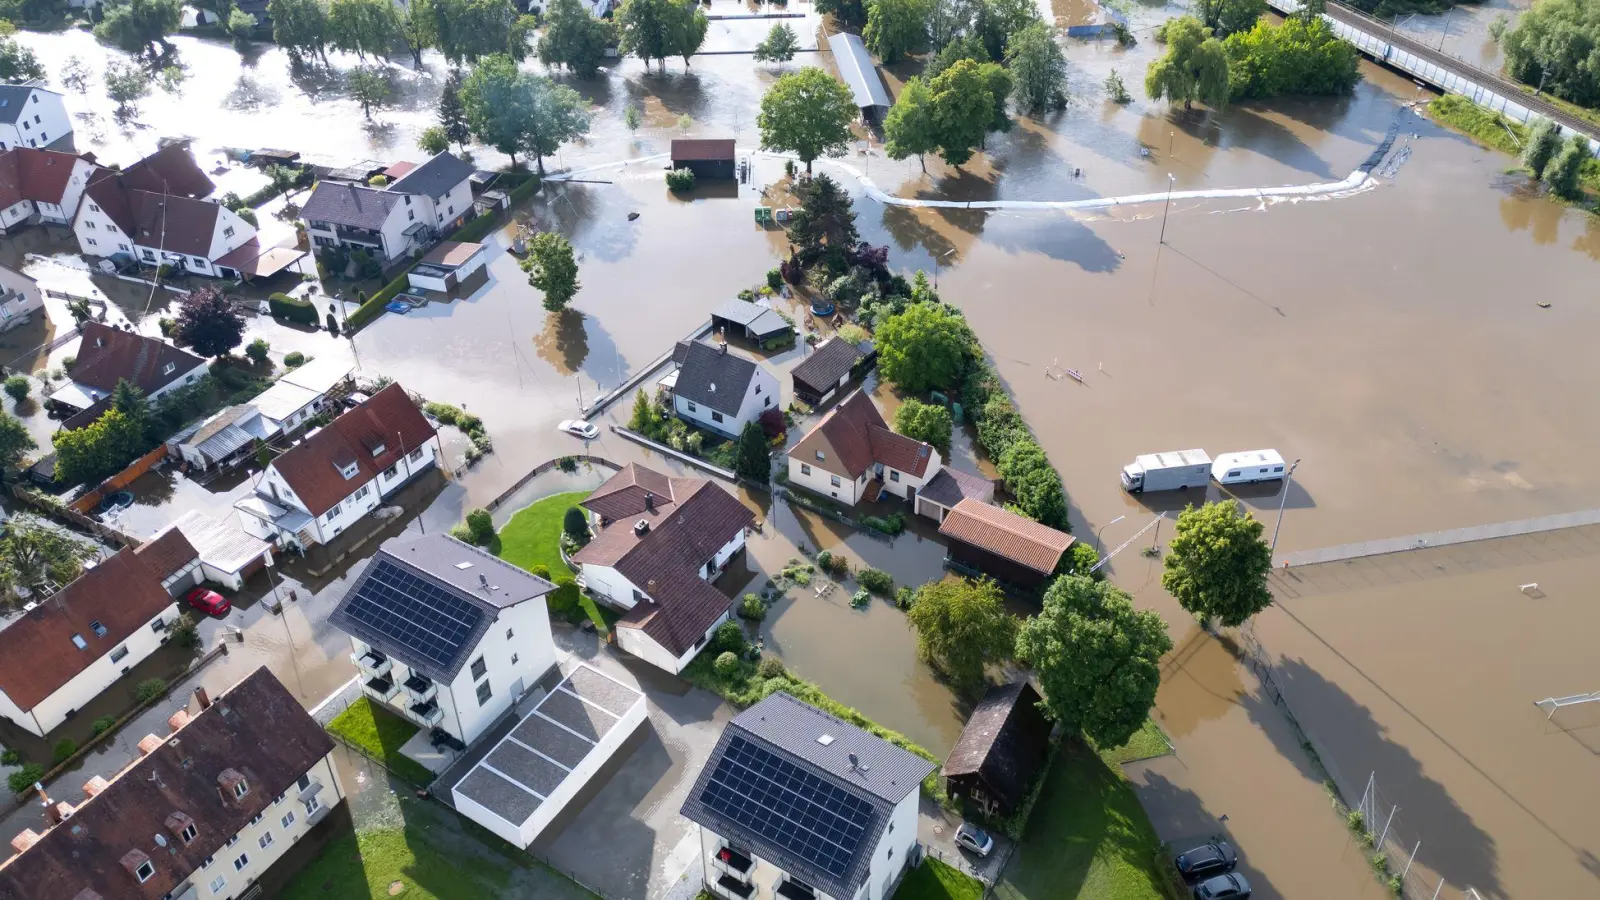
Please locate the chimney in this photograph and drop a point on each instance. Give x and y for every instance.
(641, 528)
(650, 589)
(26, 839)
(203, 698)
(148, 744)
(56, 813)
(178, 719)
(649, 500)
(94, 786)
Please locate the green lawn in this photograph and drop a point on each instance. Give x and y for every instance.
(1088, 837)
(1148, 742)
(933, 880)
(533, 536)
(382, 734)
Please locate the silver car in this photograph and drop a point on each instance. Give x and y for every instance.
(971, 837)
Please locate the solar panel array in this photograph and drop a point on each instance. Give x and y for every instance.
(788, 806)
(414, 613)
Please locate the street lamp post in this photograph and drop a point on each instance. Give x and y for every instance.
(1282, 502)
(937, 257)
(1164, 209)
(1099, 546)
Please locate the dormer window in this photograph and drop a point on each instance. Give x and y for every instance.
(182, 825)
(169, 368)
(349, 469)
(241, 790)
(145, 872)
(821, 456)
(378, 448)
(233, 782)
(139, 864)
(98, 629)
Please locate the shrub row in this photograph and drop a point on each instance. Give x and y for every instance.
(1023, 465)
(295, 309)
(374, 306)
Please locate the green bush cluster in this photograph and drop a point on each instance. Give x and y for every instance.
(892, 524)
(470, 425)
(293, 309)
(373, 307)
(680, 179)
(294, 359)
(753, 607)
(904, 596)
(149, 689)
(834, 564)
(63, 751)
(726, 663)
(1297, 57)
(103, 725)
(877, 581)
(24, 778)
(1004, 435)
(564, 599)
(18, 387)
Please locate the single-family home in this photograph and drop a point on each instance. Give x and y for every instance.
(1001, 751)
(829, 367)
(68, 647)
(720, 390)
(337, 475)
(31, 116)
(20, 298)
(753, 321)
(109, 355)
(40, 186)
(154, 212)
(799, 804)
(851, 456)
(996, 541)
(397, 218)
(445, 634)
(202, 814)
(659, 543)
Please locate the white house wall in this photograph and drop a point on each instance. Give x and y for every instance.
(607, 582)
(42, 122)
(907, 480)
(97, 235)
(248, 841)
(893, 848)
(363, 498)
(533, 647)
(455, 203)
(818, 480)
(101, 674)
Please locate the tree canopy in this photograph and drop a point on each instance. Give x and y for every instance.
(1565, 172)
(1097, 658)
(1556, 46)
(927, 422)
(1542, 146)
(962, 626)
(574, 38)
(826, 219)
(807, 113)
(18, 64)
(896, 28)
(515, 111)
(553, 269)
(657, 29)
(36, 558)
(969, 101)
(363, 27)
(140, 26)
(1038, 69)
(1195, 67)
(99, 450)
(452, 112)
(779, 45)
(910, 128)
(924, 348)
(997, 21)
(851, 12)
(1035, 483)
(208, 323)
(1217, 564)
(15, 441)
(752, 456)
(1299, 56)
(300, 27)
(1224, 17)
(368, 86)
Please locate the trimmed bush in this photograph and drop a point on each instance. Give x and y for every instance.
(294, 309)
(63, 751)
(729, 637)
(257, 350)
(104, 724)
(564, 599)
(726, 663)
(575, 525)
(891, 525)
(480, 525)
(24, 778)
(373, 307)
(11, 757)
(877, 581)
(18, 387)
(753, 607)
(541, 570)
(294, 360)
(149, 689)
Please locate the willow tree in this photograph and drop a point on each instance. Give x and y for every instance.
(1195, 67)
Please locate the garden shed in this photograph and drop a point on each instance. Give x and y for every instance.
(707, 158)
(1001, 751)
(752, 320)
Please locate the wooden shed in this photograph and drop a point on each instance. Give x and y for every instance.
(1001, 751)
(707, 158)
(998, 542)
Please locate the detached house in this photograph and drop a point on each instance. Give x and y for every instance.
(445, 634)
(851, 456)
(719, 390)
(153, 212)
(335, 476)
(31, 116)
(109, 355)
(661, 541)
(20, 298)
(65, 649)
(202, 814)
(40, 186)
(392, 221)
(798, 804)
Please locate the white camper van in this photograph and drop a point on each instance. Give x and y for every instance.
(1248, 466)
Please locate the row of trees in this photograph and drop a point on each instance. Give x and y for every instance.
(1555, 46)
(1300, 56)
(465, 31)
(1558, 163)
(1097, 657)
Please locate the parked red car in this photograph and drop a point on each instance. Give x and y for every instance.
(208, 601)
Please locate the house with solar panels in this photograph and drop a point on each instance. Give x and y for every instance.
(795, 803)
(446, 635)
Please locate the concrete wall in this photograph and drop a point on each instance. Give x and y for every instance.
(88, 684)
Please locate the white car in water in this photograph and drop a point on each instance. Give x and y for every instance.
(580, 428)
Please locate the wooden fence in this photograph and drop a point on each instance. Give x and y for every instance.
(120, 480)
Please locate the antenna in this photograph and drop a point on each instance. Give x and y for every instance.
(855, 762)
(483, 580)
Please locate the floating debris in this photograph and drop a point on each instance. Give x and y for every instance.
(632, 216)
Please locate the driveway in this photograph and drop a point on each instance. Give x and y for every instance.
(936, 829)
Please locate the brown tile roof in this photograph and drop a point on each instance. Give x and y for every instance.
(388, 419)
(108, 355)
(1005, 742)
(167, 552)
(256, 728)
(1006, 534)
(30, 174)
(37, 654)
(702, 149)
(170, 170)
(853, 436)
(830, 361)
(694, 519)
(948, 487)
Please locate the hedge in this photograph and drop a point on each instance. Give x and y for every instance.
(295, 309)
(374, 306)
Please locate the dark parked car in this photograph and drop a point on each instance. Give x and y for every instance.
(1223, 887)
(1215, 858)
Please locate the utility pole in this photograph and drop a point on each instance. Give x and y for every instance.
(1446, 32)
(1282, 502)
(937, 257)
(1164, 209)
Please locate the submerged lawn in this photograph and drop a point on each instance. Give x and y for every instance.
(1088, 837)
(933, 880)
(381, 733)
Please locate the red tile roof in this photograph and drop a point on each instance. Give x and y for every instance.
(853, 436)
(170, 170)
(175, 223)
(38, 175)
(167, 552)
(37, 653)
(388, 420)
(108, 355)
(1006, 534)
(256, 729)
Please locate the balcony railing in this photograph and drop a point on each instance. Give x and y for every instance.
(794, 890)
(734, 861)
(429, 713)
(383, 687)
(421, 687)
(373, 663)
(735, 888)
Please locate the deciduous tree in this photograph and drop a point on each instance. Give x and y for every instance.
(433, 140)
(927, 422)
(553, 269)
(1565, 173)
(363, 26)
(807, 113)
(851, 12)
(1299, 57)
(1217, 564)
(778, 46)
(1225, 17)
(687, 28)
(896, 27)
(37, 559)
(1035, 483)
(126, 84)
(1097, 658)
(645, 30)
(140, 26)
(514, 111)
(574, 38)
(962, 626)
(924, 348)
(240, 25)
(910, 127)
(369, 87)
(968, 102)
(18, 65)
(1195, 67)
(15, 441)
(208, 324)
(1038, 69)
(300, 27)
(998, 20)
(1542, 146)
(1553, 48)
(948, 20)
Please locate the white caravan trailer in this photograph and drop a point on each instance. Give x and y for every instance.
(1248, 466)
